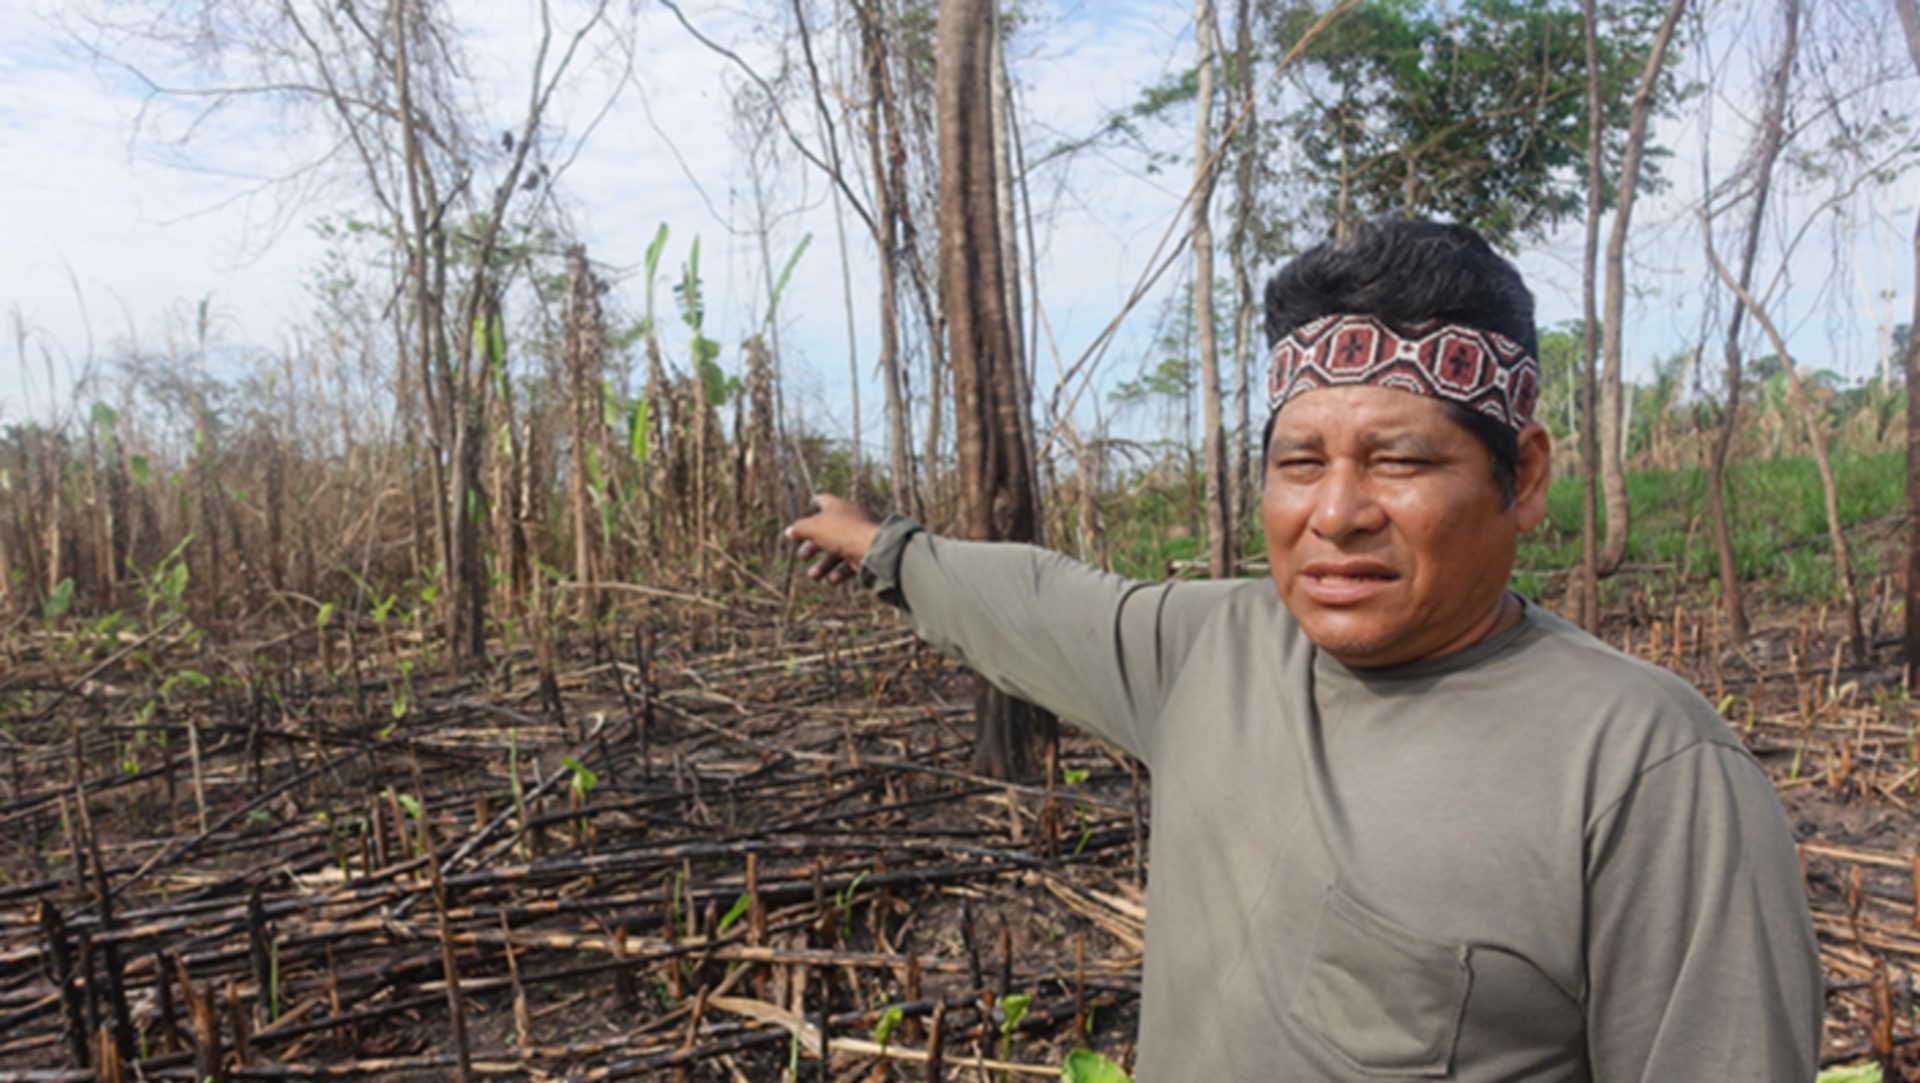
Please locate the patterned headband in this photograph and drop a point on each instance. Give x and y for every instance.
(1481, 370)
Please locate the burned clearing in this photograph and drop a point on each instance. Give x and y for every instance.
(701, 842)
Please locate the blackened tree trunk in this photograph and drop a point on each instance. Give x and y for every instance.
(997, 499)
(1910, 23)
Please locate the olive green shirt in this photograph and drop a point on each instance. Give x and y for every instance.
(1535, 859)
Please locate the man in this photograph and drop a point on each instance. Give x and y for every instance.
(1406, 824)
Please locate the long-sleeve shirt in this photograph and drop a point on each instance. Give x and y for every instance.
(1534, 859)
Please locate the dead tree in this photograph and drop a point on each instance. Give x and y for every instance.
(1765, 153)
(1219, 522)
(996, 479)
(584, 355)
(1910, 25)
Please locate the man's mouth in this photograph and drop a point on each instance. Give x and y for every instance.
(1345, 582)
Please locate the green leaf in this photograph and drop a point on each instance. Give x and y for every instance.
(780, 284)
(711, 374)
(104, 417)
(60, 600)
(140, 468)
(1073, 776)
(1014, 1008)
(325, 616)
(654, 250)
(889, 1022)
(411, 804)
(639, 421)
(584, 780)
(174, 584)
(1865, 1072)
(194, 677)
(1086, 1066)
(735, 912)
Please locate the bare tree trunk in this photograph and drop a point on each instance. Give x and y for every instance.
(1765, 152)
(1817, 437)
(1612, 470)
(999, 98)
(1910, 24)
(1240, 468)
(1219, 524)
(996, 485)
(856, 474)
(1587, 598)
(584, 335)
(883, 145)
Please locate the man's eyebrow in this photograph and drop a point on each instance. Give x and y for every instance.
(1400, 441)
(1287, 445)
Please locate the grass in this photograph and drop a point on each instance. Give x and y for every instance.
(1779, 525)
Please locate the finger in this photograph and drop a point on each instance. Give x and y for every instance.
(807, 550)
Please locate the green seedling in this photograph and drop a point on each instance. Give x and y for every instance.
(1086, 1066)
(581, 785)
(843, 902)
(1013, 1008)
(889, 1022)
(734, 913)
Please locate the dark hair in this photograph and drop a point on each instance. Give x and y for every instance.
(1403, 271)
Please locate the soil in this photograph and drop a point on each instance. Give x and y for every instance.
(825, 759)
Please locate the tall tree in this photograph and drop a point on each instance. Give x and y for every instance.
(1910, 25)
(1205, 165)
(1240, 244)
(998, 501)
(1588, 586)
(1613, 481)
(1474, 111)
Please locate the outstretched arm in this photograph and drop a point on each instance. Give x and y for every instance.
(1094, 648)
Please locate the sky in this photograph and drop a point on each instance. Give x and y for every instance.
(122, 211)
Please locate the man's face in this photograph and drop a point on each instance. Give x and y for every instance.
(1386, 533)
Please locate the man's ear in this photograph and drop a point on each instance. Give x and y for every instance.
(1532, 475)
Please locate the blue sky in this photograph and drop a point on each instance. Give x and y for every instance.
(116, 227)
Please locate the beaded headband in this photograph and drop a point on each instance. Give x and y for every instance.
(1483, 371)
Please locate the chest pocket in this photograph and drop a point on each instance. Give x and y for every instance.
(1386, 999)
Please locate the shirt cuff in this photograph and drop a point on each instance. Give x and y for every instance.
(880, 571)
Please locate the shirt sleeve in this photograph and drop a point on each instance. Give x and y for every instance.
(1096, 649)
(1701, 956)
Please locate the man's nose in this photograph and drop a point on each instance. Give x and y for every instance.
(1344, 505)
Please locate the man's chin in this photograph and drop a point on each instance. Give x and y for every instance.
(1352, 642)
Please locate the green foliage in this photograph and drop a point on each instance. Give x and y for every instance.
(1777, 513)
(741, 905)
(1086, 1066)
(583, 781)
(780, 284)
(889, 1022)
(1474, 112)
(59, 601)
(1865, 1072)
(654, 249)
